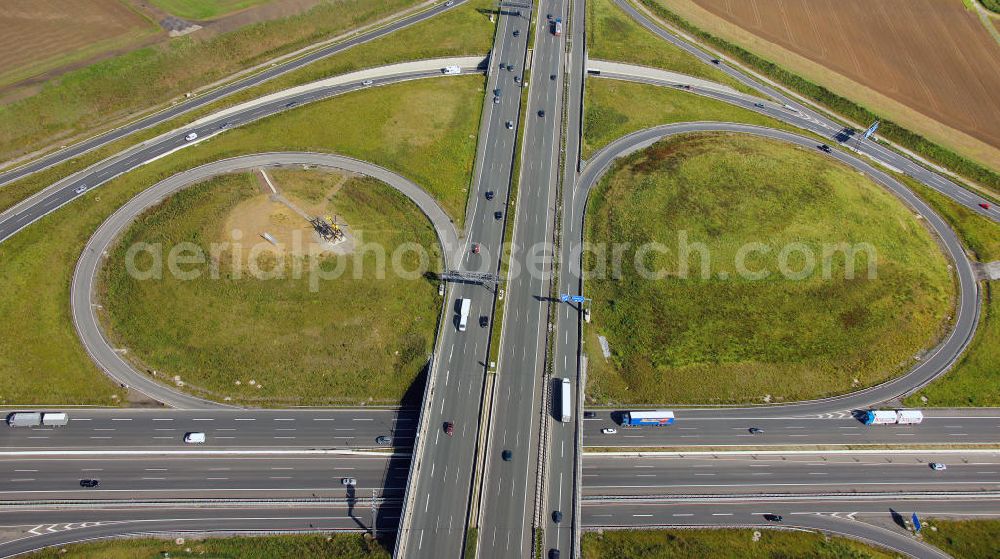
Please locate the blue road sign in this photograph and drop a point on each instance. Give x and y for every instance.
(578, 298)
(916, 523)
(871, 129)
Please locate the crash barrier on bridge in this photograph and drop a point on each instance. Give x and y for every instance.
(902, 495)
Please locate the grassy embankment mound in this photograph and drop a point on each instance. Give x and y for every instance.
(965, 539)
(425, 130)
(341, 546)
(612, 35)
(736, 336)
(361, 337)
(723, 544)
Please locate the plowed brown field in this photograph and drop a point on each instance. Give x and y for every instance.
(38, 35)
(932, 56)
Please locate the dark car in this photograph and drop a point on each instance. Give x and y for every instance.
(589, 414)
(484, 321)
(553, 554)
(541, 113)
(383, 440)
(552, 77)
(517, 32)
(824, 147)
(556, 516)
(89, 483)
(489, 194)
(291, 103)
(773, 517)
(449, 428)
(510, 67)
(498, 215)
(507, 456)
(756, 431)
(716, 61)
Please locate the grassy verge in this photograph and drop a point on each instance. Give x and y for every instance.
(461, 31)
(360, 338)
(612, 35)
(424, 129)
(981, 235)
(471, 541)
(849, 109)
(964, 539)
(87, 99)
(723, 544)
(974, 380)
(991, 5)
(690, 322)
(342, 546)
(606, 118)
(202, 9)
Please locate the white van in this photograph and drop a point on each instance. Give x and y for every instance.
(463, 314)
(450, 70)
(194, 438)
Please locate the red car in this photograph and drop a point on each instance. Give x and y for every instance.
(449, 428)
(984, 206)
(475, 248)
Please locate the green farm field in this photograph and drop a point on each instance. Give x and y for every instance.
(743, 329)
(965, 539)
(431, 142)
(204, 9)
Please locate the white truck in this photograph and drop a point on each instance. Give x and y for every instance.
(451, 70)
(55, 419)
(893, 417)
(463, 314)
(24, 419)
(566, 401)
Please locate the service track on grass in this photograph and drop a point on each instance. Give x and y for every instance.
(726, 333)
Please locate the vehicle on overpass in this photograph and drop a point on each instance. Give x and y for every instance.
(463, 314)
(657, 417)
(566, 401)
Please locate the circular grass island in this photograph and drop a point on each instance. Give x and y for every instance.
(752, 271)
(255, 307)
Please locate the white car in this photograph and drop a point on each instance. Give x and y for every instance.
(367, 82)
(938, 466)
(609, 431)
(348, 481)
(80, 189)
(191, 137)
(194, 438)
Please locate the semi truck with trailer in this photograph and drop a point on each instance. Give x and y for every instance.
(566, 401)
(657, 417)
(892, 417)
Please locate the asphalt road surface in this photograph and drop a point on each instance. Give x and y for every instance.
(100, 431)
(203, 477)
(953, 427)
(876, 520)
(28, 529)
(509, 487)
(820, 473)
(436, 507)
(209, 97)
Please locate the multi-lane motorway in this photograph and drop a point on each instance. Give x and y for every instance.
(254, 454)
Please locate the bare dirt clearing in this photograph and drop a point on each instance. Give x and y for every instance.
(933, 58)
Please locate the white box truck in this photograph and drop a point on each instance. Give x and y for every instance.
(566, 400)
(880, 417)
(55, 419)
(24, 419)
(909, 417)
(463, 314)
